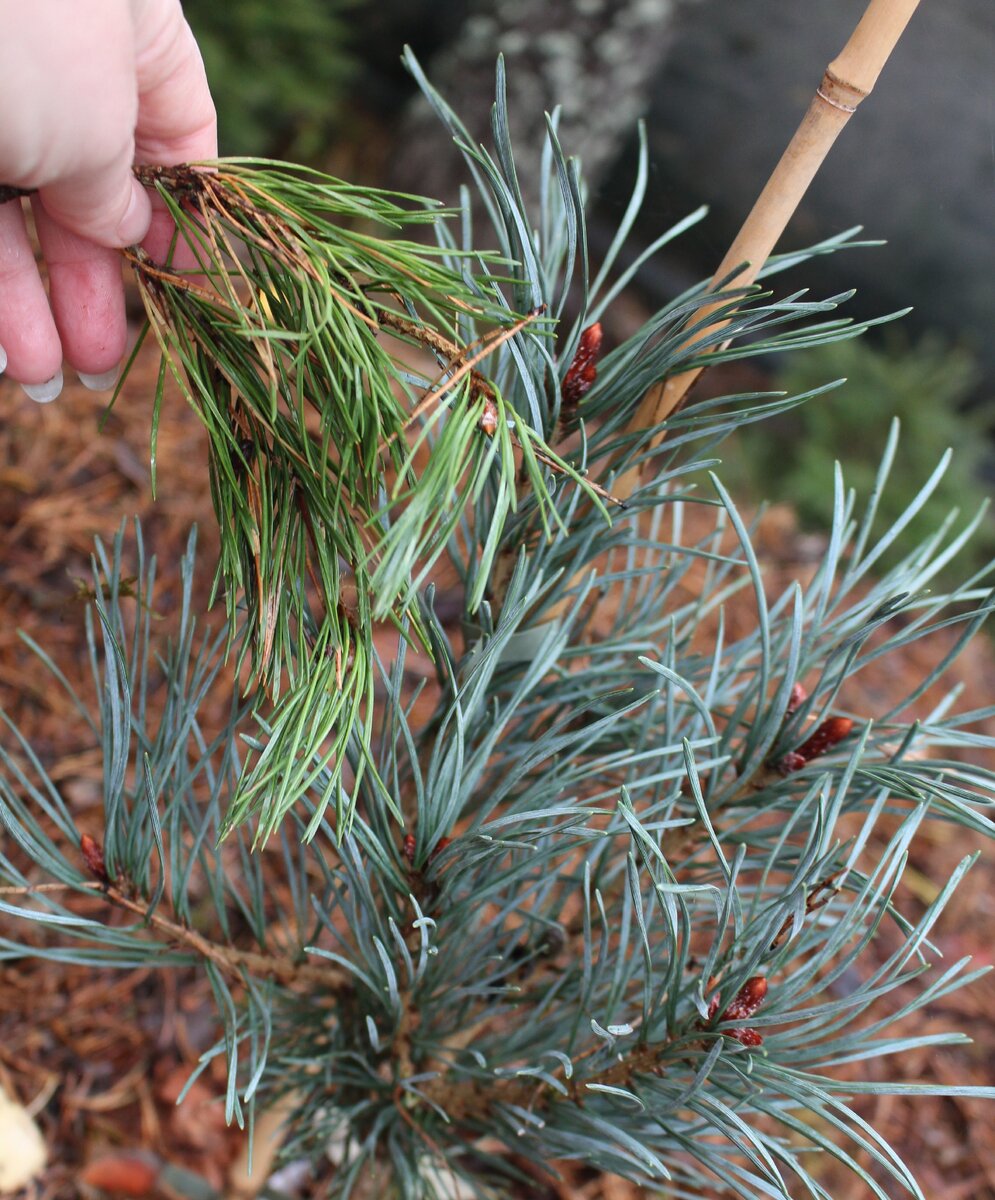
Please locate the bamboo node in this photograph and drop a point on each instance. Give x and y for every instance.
(832, 89)
(847, 108)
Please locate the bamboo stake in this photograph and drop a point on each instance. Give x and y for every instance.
(848, 79)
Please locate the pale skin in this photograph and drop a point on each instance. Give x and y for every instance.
(87, 88)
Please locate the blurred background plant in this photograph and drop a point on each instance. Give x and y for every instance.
(925, 384)
(279, 72)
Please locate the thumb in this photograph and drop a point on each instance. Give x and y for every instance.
(109, 206)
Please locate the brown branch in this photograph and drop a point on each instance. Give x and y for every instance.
(469, 1099)
(14, 193)
(433, 340)
(466, 367)
(146, 269)
(229, 959)
(821, 894)
(32, 889)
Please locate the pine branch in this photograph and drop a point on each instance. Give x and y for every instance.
(8, 193)
(278, 312)
(290, 507)
(468, 1103)
(232, 961)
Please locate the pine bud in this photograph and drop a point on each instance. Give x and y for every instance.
(584, 369)
(409, 846)
(743, 1005)
(749, 1037)
(747, 1000)
(93, 856)
(825, 737)
(797, 698)
(440, 845)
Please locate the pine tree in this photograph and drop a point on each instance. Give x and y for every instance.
(609, 899)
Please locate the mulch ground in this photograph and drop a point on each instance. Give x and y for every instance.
(99, 1058)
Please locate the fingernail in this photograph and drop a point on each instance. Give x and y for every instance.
(44, 393)
(99, 383)
(3, 360)
(135, 222)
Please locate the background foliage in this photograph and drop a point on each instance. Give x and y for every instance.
(925, 386)
(279, 72)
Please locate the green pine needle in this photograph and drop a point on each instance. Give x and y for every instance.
(350, 425)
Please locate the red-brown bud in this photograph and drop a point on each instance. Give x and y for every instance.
(747, 1000)
(93, 856)
(792, 761)
(408, 846)
(825, 737)
(584, 369)
(797, 698)
(440, 845)
(744, 1004)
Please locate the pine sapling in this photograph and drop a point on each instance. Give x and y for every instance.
(606, 887)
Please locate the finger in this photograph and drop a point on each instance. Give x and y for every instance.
(78, 147)
(176, 117)
(87, 297)
(27, 330)
(110, 208)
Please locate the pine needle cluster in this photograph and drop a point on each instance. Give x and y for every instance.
(612, 899)
(291, 336)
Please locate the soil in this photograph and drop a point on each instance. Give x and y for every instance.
(99, 1058)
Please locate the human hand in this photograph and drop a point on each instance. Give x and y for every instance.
(86, 90)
